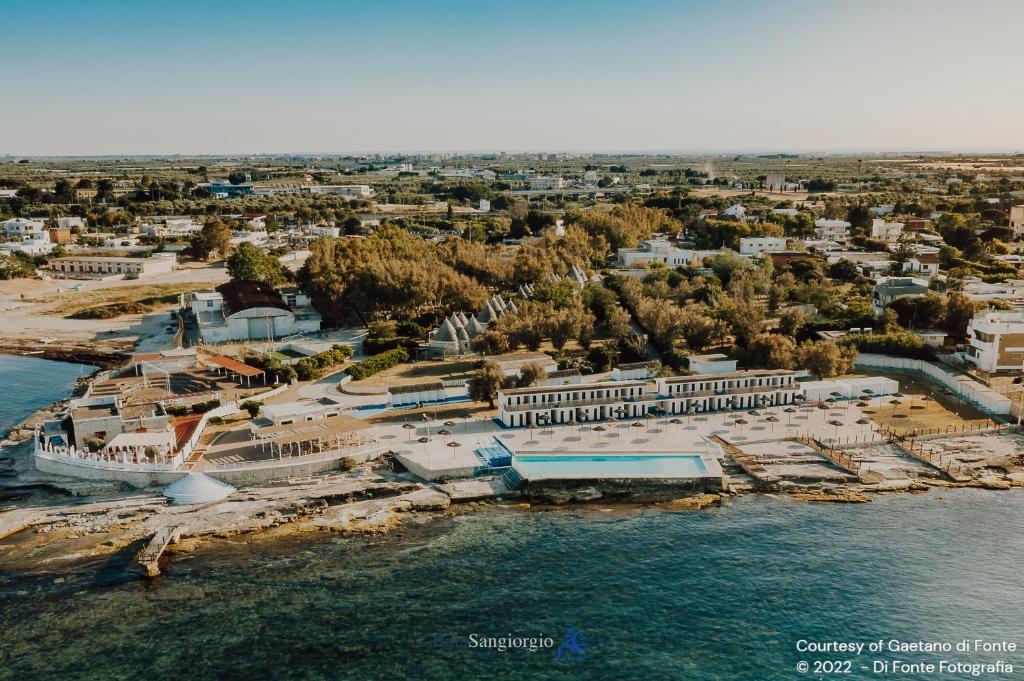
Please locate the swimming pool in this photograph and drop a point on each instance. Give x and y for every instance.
(588, 466)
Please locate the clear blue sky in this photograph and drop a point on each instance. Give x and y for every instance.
(115, 77)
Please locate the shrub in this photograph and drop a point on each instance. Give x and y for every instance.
(252, 407)
(372, 365)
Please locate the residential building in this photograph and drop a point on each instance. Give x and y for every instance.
(99, 267)
(60, 235)
(790, 212)
(17, 229)
(104, 417)
(756, 245)
(1010, 291)
(546, 183)
(886, 231)
(172, 228)
(353, 190)
(834, 230)
(736, 210)
(925, 265)
(252, 310)
(656, 250)
(484, 206)
(71, 221)
(884, 209)
(1017, 221)
(890, 289)
(996, 340)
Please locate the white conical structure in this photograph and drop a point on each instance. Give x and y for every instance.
(197, 488)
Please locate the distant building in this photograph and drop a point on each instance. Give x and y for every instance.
(923, 264)
(72, 221)
(886, 231)
(656, 250)
(353, 190)
(60, 235)
(511, 364)
(485, 206)
(546, 183)
(23, 228)
(996, 340)
(890, 289)
(736, 210)
(252, 310)
(884, 209)
(102, 267)
(756, 245)
(1017, 221)
(834, 230)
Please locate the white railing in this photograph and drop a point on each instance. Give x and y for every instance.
(369, 448)
(103, 460)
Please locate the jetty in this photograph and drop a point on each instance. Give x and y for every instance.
(149, 557)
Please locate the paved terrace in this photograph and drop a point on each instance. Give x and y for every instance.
(431, 453)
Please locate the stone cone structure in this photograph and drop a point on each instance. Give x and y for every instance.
(197, 488)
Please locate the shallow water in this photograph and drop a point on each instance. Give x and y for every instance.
(714, 594)
(31, 383)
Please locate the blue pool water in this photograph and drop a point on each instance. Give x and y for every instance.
(533, 467)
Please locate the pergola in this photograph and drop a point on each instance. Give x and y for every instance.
(232, 366)
(312, 437)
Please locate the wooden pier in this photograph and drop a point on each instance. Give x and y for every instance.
(149, 557)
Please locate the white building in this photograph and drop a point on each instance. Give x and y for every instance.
(172, 228)
(884, 209)
(415, 394)
(353, 190)
(890, 289)
(833, 230)
(996, 340)
(484, 206)
(590, 177)
(70, 222)
(887, 231)
(252, 310)
(712, 364)
(1017, 221)
(791, 212)
(756, 245)
(102, 267)
(511, 364)
(580, 403)
(1010, 291)
(17, 229)
(546, 183)
(656, 250)
(925, 265)
(735, 211)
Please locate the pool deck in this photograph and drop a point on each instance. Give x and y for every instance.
(438, 458)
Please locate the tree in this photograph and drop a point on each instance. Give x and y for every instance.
(959, 311)
(844, 270)
(531, 374)
(249, 262)
(772, 350)
(485, 383)
(215, 237)
(236, 177)
(825, 359)
(791, 320)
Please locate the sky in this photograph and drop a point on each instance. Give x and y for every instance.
(87, 77)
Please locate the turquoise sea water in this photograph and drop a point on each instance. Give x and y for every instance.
(30, 383)
(647, 594)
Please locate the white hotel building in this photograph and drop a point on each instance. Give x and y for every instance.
(631, 399)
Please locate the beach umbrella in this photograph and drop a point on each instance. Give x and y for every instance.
(894, 403)
(836, 423)
(863, 422)
(444, 431)
(424, 439)
(863, 404)
(454, 444)
(637, 424)
(600, 429)
(773, 420)
(753, 412)
(790, 411)
(408, 426)
(450, 424)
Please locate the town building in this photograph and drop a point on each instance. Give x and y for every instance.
(71, 221)
(104, 267)
(656, 250)
(1017, 221)
(353, 190)
(104, 417)
(1010, 291)
(890, 289)
(60, 235)
(886, 231)
(546, 183)
(834, 230)
(19, 229)
(736, 210)
(925, 265)
(251, 310)
(996, 341)
(756, 245)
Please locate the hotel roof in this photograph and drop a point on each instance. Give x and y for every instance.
(573, 388)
